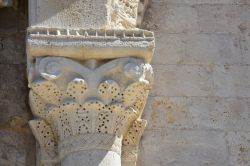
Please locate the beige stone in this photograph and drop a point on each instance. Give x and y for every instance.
(204, 148)
(220, 18)
(72, 14)
(83, 44)
(220, 49)
(91, 111)
(231, 81)
(183, 80)
(172, 18)
(239, 147)
(89, 77)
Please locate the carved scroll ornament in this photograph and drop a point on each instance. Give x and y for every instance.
(89, 78)
(88, 106)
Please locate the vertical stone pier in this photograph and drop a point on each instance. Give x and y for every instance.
(89, 77)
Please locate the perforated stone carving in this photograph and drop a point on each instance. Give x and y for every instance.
(89, 78)
(80, 108)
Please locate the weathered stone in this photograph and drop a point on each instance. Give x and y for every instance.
(239, 148)
(171, 18)
(183, 80)
(74, 14)
(216, 49)
(222, 18)
(83, 108)
(170, 48)
(168, 112)
(12, 49)
(89, 79)
(203, 113)
(183, 147)
(245, 42)
(204, 127)
(85, 44)
(210, 2)
(13, 91)
(231, 81)
(16, 149)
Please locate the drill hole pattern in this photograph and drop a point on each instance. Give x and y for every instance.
(66, 120)
(38, 107)
(119, 125)
(140, 104)
(83, 122)
(109, 91)
(65, 125)
(48, 91)
(134, 92)
(104, 119)
(134, 133)
(45, 136)
(77, 89)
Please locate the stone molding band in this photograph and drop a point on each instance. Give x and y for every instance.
(92, 141)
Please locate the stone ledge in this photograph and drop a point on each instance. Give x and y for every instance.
(84, 44)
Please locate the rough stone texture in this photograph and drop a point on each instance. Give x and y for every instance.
(184, 147)
(89, 78)
(96, 157)
(199, 111)
(17, 144)
(87, 14)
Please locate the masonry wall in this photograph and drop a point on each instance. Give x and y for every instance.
(17, 146)
(199, 110)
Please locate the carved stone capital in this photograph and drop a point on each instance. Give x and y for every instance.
(89, 78)
(88, 105)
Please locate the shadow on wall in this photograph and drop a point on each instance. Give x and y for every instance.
(17, 144)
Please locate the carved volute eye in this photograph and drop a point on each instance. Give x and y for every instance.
(133, 70)
(53, 68)
(49, 69)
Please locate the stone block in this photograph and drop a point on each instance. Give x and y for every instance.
(14, 92)
(219, 49)
(222, 18)
(168, 112)
(183, 148)
(182, 80)
(203, 113)
(243, 2)
(16, 149)
(245, 42)
(194, 2)
(170, 48)
(231, 81)
(215, 113)
(239, 148)
(12, 49)
(171, 18)
(69, 13)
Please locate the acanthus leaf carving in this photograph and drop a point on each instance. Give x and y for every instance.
(89, 78)
(97, 102)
